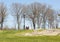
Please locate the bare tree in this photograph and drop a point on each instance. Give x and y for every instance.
(35, 13)
(57, 18)
(24, 14)
(43, 12)
(17, 10)
(50, 17)
(39, 15)
(47, 13)
(3, 11)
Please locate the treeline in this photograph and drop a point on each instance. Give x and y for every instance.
(39, 14)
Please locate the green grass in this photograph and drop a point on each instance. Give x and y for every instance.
(9, 36)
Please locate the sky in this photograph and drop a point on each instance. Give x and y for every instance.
(54, 3)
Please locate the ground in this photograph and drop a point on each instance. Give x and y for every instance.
(17, 36)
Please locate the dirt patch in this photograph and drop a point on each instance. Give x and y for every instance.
(1, 31)
(52, 32)
(44, 32)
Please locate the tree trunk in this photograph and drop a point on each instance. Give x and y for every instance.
(24, 22)
(33, 24)
(18, 25)
(57, 25)
(44, 21)
(18, 21)
(1, 25)
(38, 21)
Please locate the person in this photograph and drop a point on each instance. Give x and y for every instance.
(27, 27)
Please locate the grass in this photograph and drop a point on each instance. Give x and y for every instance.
(9, 36)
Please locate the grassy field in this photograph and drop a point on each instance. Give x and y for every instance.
(10, 36)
